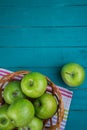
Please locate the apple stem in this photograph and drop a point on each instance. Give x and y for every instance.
(71, 74)
(68, 73)
(31, 82)
(12, 121)
(15, 93)
(38, 104)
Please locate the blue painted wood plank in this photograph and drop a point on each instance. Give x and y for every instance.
(43, 37)
(42, 56)
(44, 16)
(79, 101)
(77, 120)
(29, 3)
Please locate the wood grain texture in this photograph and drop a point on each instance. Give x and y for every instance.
(42, 56)
(77, 120)
(29, 3)
(43, 35)
(43, 16)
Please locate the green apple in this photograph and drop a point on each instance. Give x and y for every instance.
(73, 74)
(5, 123)
(34, 84)
(12, 91)
(35, 124)
(21, 112)
(45, 106)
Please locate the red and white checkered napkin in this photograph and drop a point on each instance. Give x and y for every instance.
(66, 96)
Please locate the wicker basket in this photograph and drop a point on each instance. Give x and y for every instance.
(52, 89)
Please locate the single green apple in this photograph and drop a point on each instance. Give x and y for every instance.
(12, 91)
(36, 124)
(34, 84)
(73, 74)
(21, 112)
(5, 123)
(45, 106)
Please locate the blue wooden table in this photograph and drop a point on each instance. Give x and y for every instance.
(43, 35)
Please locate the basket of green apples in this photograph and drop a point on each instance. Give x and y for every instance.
(28, 101)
